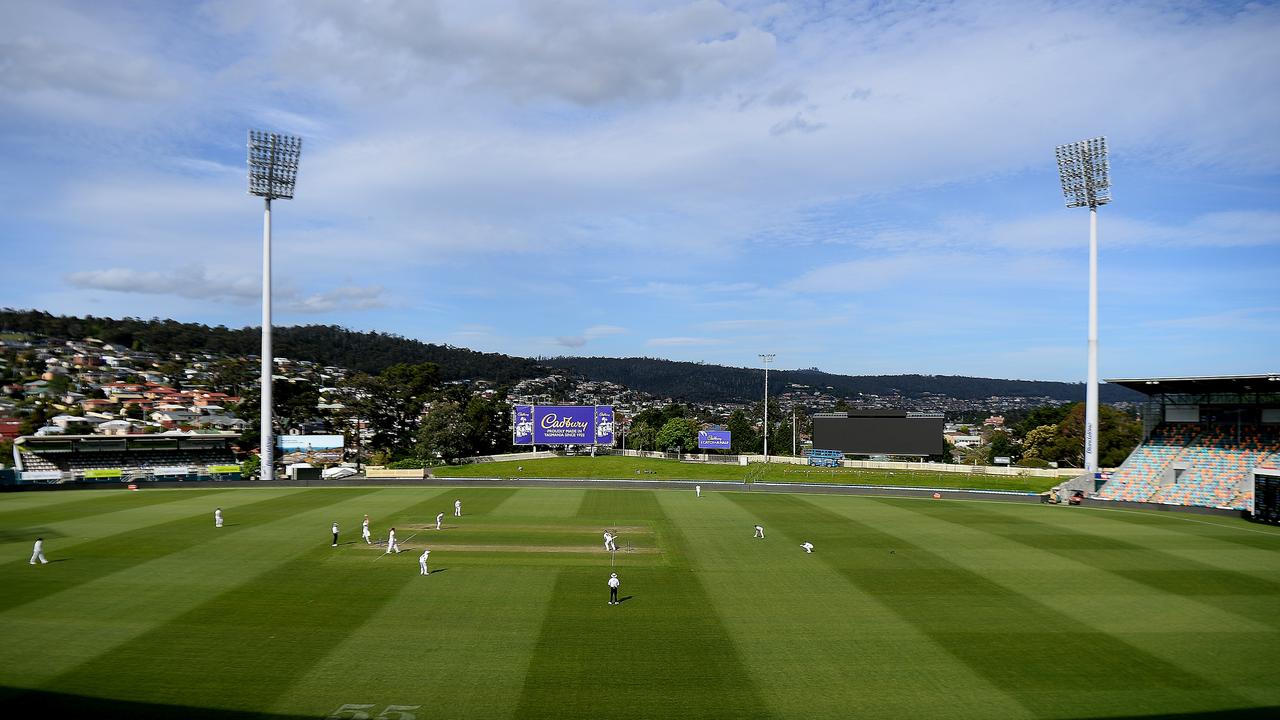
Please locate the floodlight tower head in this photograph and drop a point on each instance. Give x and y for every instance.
(273, 164)
(1086, 179)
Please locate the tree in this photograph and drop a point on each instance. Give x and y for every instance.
(1118, 435)
(392, 404)
(977, 455)
(780, 441)
(6, 452)
(1001, 444)
(743, 436)
(442, 434)
(1039, 442)
(678, 434)
(642, 437)
(488, 430)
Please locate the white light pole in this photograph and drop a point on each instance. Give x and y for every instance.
(1086, 182)
(766, 358)
(273, 171)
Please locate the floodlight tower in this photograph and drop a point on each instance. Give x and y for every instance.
(1086, 182)
(273, 171)
(766, 358)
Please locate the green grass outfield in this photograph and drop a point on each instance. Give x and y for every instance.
(632, 468)
(906, 609)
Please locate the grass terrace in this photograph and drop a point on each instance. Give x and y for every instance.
(618, 467)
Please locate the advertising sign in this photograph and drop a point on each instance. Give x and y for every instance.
(523, 433)
(563, 425)
(310, 448)
(714, 439)
(604, 425)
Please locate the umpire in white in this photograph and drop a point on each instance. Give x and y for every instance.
(614, 582)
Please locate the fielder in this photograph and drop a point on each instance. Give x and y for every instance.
(698, 490)
(217, 517)
(335, 535)
(37, 552)
(457, 508)
(808, 546)
(422, 562)
(608, 542)
(391, 543)
(613, 588)
(439, 519)
(364, 531)
(759, 532)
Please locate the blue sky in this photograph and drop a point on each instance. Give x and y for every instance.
(860, 187)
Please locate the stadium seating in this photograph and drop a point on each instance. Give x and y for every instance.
(128, 462)
(1213, 459)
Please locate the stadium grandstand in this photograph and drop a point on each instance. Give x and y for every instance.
(56, 459)
(1203, 438)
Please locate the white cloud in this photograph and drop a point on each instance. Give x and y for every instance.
(187, 282)
(197, 282)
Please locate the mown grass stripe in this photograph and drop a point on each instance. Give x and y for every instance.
(818, 646)
(1228, 530)
(661, 653)
(24, 525)
(243, 647)
(93, 617)
(78, 563)
(1153, 568)
(958, 610)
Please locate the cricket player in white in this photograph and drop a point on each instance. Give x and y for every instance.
(808, 546)
(698, 489)
(759, 532)
(439, 519)
(364, 531)
(422, 562)
(37, 552)
(614, 582)
(457, 508)
(217, 517)
(391, 543)
(608, 542)
(335, 535)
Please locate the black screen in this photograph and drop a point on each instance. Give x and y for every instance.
(1266, 498)
(879, 435)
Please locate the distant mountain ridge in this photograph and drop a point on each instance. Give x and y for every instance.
(369, 352)
(372, 352)
(701, 382)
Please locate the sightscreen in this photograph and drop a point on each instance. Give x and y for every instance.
(879, 435)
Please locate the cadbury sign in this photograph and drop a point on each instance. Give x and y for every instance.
(563, 425)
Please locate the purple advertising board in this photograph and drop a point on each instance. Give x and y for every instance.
(562, 424)
(522, 430)
(714, 439)
(604, 424)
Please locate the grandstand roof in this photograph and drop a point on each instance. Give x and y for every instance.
(1241, 384)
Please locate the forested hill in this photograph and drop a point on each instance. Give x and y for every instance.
(325, 344)
(699, 382)
(373, 351)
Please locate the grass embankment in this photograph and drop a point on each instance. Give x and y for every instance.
(616, 467)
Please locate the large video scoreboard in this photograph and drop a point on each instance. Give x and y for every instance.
(1266, 495)
(872, 432)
